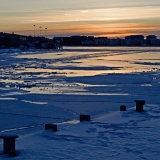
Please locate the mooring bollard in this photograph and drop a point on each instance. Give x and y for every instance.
(9, 144)
(48, 126)
(84, 117)
(139, 105)
(51, 126)
(123, 108)
(54, 127)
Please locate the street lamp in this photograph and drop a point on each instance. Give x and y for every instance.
(34, 29)
(40, 30)
(45, 31)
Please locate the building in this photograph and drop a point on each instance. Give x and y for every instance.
(151, 40)
(134, 40)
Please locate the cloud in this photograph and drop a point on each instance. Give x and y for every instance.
(113, 19)
(84, 11)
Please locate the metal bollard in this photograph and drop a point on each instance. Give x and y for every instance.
(139, 105)
(54, 127)
(48, 126)
(84, 117)
(123, 108)
(9, 144)
(51, 126)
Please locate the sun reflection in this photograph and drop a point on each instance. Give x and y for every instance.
(84, 63)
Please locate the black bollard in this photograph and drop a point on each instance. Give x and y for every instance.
(54, 127)
(139, 105)
(123, 108)
(51, 126)
(48, 126)
(84, 117)
(9, 144)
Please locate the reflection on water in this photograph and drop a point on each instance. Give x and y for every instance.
(64, 71)
(87, 61)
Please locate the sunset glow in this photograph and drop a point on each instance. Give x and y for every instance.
(115, 18)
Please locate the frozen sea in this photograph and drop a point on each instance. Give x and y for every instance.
(56, 86)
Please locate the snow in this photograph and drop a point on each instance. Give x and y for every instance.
(43, 86)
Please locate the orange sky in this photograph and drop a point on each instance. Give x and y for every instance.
(112, 18)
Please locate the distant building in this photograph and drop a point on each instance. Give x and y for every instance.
(75, 40)
(14, 40)
(151, 40)
(90, 37)
(4, 40)
(115, 42)
(134, 40)
(72, 40)
(151, 37)
(23, 40)
(95, 41)
(58, 40)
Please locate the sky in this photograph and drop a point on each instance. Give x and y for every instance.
(111, 18)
